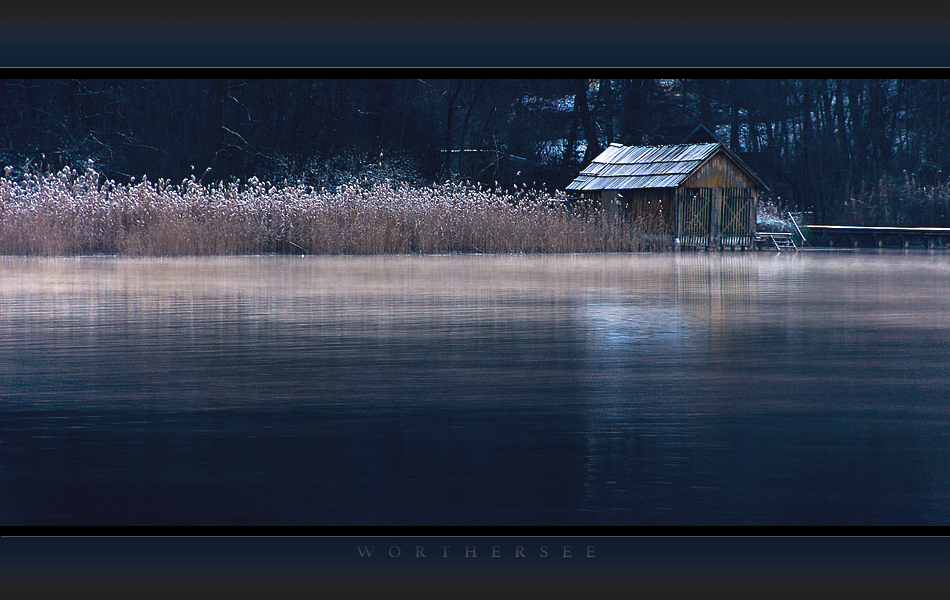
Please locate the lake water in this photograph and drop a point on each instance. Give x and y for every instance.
(681, 388)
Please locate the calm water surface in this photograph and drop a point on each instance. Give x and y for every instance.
(736, 388)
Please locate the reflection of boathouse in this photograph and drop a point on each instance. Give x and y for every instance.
(702, 194)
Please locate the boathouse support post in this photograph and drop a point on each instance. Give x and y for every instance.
(715, 225)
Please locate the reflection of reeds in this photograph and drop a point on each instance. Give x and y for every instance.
(80, 213)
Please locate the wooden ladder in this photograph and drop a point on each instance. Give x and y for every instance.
(783, 242)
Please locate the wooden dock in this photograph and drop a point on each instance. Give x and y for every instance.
(902, 237)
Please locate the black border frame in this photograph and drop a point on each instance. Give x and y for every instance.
(668, 563)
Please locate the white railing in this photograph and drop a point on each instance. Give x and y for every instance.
(797, 229)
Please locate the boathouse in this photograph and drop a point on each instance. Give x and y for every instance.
(701, 193)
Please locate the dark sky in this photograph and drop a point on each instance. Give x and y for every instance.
(489, 33)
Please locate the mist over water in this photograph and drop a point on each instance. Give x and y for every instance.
(686, 388)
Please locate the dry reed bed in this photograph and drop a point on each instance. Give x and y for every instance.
(71, 213)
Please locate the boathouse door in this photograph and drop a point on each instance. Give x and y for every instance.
(694, 216)
(738, 217)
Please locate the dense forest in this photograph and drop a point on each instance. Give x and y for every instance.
(860, 151)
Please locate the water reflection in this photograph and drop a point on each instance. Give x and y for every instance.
(777, 390)
(659, 389)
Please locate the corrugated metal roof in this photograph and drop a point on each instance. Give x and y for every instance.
(637, 167)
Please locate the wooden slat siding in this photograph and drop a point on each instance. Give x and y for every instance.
(693, 216)
(738, 217)
(610, 204)
(654, 205)
(718, 172)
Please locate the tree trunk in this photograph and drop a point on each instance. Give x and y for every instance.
(734, 125)
(450, 110)
(587, 121)
(567, 162)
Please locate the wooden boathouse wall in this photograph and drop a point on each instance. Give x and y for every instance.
(654, 205)
(716, 206)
